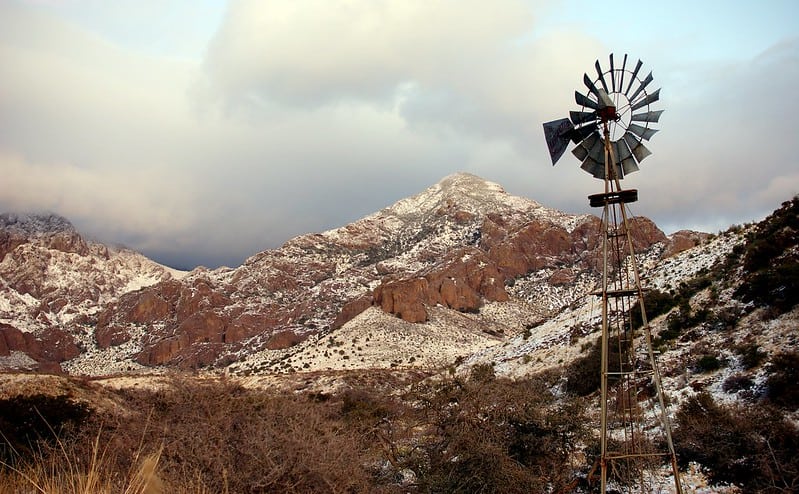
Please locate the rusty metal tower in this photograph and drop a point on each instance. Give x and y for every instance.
(609, 129)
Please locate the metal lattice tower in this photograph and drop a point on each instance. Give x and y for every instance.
(635, 430)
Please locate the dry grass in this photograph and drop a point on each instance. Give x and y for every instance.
(68, 473)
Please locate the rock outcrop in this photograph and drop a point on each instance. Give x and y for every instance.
(684, 240)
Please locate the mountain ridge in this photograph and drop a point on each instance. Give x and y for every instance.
(461, 244)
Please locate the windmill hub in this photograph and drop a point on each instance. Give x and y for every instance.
(606, 108)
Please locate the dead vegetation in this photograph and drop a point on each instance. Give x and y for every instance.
(481, 434)
(371, 433)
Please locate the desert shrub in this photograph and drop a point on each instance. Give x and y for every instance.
(482, 372)
(583, 373)
(773, 236)
(363, 406)
(678, 321)
(776, 286)
(691, 287)
(782, 384)
(29, 423)
(752, 447)
(221, 437)
(494, 436)
(750, 355)
(707, 363)
(770, 261)
(737, 382)
(656, 303)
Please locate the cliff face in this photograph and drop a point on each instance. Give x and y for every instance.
(457, 245)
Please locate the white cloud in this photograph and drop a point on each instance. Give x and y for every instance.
(305, 115)
(318, 51)
(112, 199)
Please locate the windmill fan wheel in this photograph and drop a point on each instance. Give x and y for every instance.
(618, 99)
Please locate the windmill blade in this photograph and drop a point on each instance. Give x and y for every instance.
(594, 167)
(581, 117)
(614, 159)
(650, 116)
(632, 77)
(636, 146)
(579, 134)
(625, 158)
(597, 169)
(588, 147)
(612, 75)
(621, 72)
(583, 100)
(628, 166)
(643, 85)
(622, 150)
(642, 132)
(651, 98)
(557, 135)
(590, 85)
(601, 76)
(594, 161)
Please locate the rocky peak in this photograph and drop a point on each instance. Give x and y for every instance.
(462, 195)
(35, 224)
(51, 230)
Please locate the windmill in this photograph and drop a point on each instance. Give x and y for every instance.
(609, 130)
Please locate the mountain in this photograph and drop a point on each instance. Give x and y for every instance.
(457, 269)
(54, 283)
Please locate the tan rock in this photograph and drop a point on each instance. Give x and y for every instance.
(683, 240)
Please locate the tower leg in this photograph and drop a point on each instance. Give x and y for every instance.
(625, 447)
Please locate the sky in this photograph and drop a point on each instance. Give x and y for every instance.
(201, 132)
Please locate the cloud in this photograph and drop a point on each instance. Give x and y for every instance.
(319, 51)
(305, 115)
(105, 197)
(726, 146)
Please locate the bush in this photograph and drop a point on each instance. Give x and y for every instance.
(737, 382)
(707, 363)
(363, 407)
(583, 373)
(482, 372)
(770, 261)
(656, 303)
(495, 436)
(220, 437)
(782, 384)
(28, 423)
(751, 447)
(750, 355)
